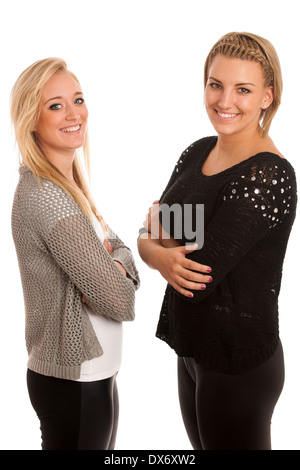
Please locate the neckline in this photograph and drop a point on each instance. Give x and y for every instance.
(259, 154)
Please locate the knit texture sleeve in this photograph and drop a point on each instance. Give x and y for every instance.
(181, 163)
(70, 237)
(251, 208)
(123, 255)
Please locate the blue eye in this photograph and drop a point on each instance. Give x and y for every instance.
(79, 101)
(55, 107)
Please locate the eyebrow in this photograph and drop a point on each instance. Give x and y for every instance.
(61, 97)
(237, 84)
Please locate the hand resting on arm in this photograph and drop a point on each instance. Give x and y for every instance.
(163, 253)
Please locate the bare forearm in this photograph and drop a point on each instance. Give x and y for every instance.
(168, 242)
(149, 249)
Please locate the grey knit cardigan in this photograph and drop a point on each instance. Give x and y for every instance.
(60, 258)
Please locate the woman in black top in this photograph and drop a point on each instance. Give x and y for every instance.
(220, 310)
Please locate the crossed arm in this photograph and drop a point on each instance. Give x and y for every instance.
(163, 253)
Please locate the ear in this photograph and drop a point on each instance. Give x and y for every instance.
(268, 98)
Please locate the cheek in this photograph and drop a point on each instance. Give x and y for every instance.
(47, 126)
(206, 96)
(85, 113)
(39, 126)
(210, 97)
(252, 105)
(46, 121)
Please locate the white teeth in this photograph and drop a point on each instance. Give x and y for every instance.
(226, 116)
(71, 129)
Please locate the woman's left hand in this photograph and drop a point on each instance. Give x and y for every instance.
(121, 268)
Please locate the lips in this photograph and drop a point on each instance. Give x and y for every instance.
(226, 116)
(71, 129)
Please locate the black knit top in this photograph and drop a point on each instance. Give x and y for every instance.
(249, 210)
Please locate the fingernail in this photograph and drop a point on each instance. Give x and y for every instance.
(209, 270)
(210, 279)
(203, 287)
(192, 247)
(191, 296)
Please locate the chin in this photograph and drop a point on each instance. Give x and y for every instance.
(76, 144)
(225, 130)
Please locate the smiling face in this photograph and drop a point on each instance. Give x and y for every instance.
(63, 116)
(235, 95)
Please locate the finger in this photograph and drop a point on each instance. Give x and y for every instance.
(154, 211)
(190, 264)
(182, 291)
(121, 267)
(195, 276)
(194, 266)
(190, 284)
(107, 246)
(147, 223)
(180, 272)
(190, 248)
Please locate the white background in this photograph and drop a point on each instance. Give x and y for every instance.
(140, 64)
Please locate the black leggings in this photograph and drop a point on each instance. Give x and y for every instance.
(230, 412)
(75, 415)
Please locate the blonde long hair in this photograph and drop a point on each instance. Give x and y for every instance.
(248, 46)
(25, 110)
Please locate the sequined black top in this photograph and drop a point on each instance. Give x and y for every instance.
(249, 209)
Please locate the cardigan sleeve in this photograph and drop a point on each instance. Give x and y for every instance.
(82, 256)
(251, 206)
(123, 255)
(73, 243)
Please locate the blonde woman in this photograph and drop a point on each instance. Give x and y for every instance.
(220, 311)
(78, 278)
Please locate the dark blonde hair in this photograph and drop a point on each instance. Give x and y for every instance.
(247, 46)
(25, 111)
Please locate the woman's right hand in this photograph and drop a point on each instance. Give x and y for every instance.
(180, 272)
(107, 246)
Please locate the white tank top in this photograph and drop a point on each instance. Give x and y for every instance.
(110, 335)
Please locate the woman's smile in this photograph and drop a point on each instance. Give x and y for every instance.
(71, 129)
(226, 116)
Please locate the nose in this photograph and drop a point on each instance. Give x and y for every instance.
(72, 113)
(226, 99)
